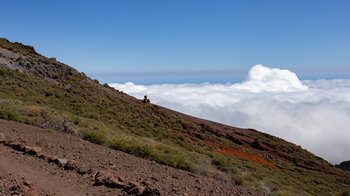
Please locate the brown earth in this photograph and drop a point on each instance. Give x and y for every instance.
(35, 161)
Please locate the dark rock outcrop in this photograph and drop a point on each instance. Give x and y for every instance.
(344, 165)
(24, 58)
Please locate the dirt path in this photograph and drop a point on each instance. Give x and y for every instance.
(91, 169)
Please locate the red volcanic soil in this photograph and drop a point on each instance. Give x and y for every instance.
(35, 161)
(242, 137)
(240, 154)
(227, 132)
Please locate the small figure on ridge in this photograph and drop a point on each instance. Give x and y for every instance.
(145, 100)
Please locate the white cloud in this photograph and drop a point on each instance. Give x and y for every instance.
(313, 114)
(262, 78)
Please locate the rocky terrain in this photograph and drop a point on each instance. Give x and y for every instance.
(39, 162)
(64, 133)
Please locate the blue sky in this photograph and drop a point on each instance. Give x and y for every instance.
(185, 40)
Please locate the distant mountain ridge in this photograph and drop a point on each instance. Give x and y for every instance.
(45, 93)
(345, 165)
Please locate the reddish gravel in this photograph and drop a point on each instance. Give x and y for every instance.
(91, 169)
(15, 185)
(238, 153)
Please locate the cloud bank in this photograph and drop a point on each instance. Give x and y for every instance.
(313, 114)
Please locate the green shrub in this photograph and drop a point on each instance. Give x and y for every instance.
(159, 153)
(75, 119)
(222, 163)
(4, 72)
(238, 179)
(95, 137)
(172, 157)
(33, 111)
(9, 113)
(133, 147)
(11, 48)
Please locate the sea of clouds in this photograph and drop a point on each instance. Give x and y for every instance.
(314, 114)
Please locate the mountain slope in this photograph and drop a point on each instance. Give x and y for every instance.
(87, 160)
(48, 94)
(345, 165)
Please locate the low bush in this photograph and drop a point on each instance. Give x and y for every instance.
(238, 179)
(95, 137)
(222, 163)
(9, 113)
(132, 146)
(159, 153)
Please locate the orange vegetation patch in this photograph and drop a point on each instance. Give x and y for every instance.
(240, 154)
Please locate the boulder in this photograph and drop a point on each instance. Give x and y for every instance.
(71, 165)
(140, 189)
(17, 146)
(33, 150)
(61, 162)
(2, 138)
(108, 180)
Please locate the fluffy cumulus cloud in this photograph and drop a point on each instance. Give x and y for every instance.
(313, 114)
